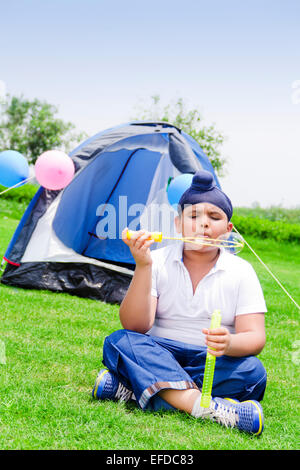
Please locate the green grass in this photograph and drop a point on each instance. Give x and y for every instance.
(53, 345)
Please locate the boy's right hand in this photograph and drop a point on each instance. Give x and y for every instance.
(139, 245)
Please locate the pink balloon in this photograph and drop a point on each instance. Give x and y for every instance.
(54, 169)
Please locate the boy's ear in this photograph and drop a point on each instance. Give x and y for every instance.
(229, 226)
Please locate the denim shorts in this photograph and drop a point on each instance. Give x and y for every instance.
(147, 364)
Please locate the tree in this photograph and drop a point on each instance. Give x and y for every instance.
(208, 137)
(30, 127)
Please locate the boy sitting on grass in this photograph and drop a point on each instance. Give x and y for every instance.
(158, 359)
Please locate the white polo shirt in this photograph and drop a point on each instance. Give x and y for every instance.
(231, 286)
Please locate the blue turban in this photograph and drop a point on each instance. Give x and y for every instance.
(204, 189)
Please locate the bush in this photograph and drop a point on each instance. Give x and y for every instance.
(14, 203)
(263, 228)
(274, 213)
(20, 194)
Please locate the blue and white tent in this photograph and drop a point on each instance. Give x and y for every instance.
(69, 240)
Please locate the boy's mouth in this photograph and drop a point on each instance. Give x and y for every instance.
(201, 235)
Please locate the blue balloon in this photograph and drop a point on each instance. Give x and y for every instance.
(13, 168)
(178, 186)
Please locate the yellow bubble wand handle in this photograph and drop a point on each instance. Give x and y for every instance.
(156, 236)
(210, 365)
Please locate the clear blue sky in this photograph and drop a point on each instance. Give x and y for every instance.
(235, 61)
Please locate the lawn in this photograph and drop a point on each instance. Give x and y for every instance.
(51, 352)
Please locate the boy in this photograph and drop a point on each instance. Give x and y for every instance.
(158, 359)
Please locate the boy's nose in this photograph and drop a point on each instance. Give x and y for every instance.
(204, 222)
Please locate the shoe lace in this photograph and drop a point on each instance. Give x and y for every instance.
(225, 415)
(123, 394)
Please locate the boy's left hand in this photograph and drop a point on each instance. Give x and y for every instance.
(217, 340)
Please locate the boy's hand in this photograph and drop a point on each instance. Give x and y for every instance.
(217, 340)
(139, 245)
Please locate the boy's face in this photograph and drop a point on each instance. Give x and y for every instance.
(203, 219)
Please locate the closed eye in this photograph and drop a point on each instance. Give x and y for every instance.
(215, 215)
(212, 215)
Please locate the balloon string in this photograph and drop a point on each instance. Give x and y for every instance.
(268, 269)
(18, 184)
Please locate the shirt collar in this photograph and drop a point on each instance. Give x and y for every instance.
(221, 263)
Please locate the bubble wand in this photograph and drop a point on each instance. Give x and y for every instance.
(209, 365)
(236, 243)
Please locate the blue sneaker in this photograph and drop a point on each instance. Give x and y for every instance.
(246, 415)
(108, 387)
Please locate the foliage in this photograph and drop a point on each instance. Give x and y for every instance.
(23, 193)
(191, 122)
(273, 213)
(263, 228)
(14, 202)
(30, 127)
